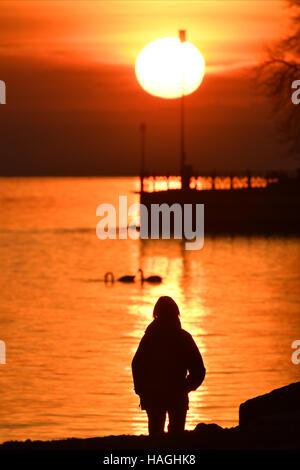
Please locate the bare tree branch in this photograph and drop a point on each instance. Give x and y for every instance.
(275, 77)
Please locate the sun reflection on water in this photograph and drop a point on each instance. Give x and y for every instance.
(71, 338)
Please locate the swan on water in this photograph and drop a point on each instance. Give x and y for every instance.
(126, 279)
(153, 279)
(110, 277)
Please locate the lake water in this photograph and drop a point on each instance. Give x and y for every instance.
(70, 338)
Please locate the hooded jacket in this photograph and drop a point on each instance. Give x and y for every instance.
(167, 366)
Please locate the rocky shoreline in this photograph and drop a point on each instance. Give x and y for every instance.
(268, 422)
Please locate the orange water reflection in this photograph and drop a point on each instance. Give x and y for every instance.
(233, 302)
(70, 338)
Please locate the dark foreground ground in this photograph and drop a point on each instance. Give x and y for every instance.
(268, 422)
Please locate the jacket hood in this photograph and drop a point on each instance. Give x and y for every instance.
(158, 326)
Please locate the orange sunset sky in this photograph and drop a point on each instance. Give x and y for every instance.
(74, 104)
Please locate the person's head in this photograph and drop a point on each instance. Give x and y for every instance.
(166, 312)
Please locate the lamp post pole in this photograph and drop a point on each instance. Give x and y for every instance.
(143, 132)
(182, 37)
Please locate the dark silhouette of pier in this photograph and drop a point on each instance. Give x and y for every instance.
(249, 202)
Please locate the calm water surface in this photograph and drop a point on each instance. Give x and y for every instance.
(70, 338)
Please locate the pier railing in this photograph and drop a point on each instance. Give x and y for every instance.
(152, 183)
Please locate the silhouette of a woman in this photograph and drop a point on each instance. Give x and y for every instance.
(165, 368)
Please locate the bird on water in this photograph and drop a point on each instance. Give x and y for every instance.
(109, 277)
(152, 279)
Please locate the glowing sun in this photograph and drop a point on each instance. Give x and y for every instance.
(167, 66)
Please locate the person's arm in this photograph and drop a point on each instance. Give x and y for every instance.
(195, 366)
(138, 367)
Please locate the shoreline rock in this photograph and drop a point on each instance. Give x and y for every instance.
(280, 405)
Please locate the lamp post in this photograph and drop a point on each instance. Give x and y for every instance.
(182, 37)
(143, 134)
(185, 179)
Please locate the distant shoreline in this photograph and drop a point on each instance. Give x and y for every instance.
(70, 176)
(287, 169)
